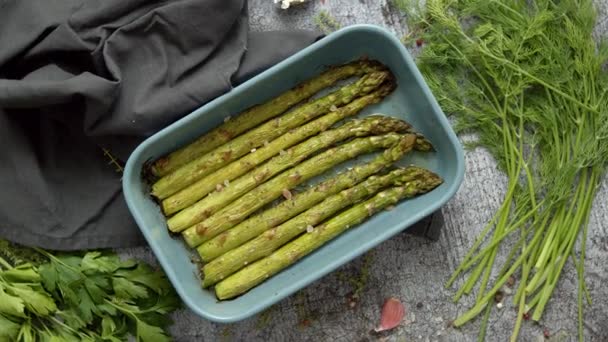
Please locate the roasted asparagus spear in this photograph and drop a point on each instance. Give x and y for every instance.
(239, 146)
(272, 217)
(252, 275)
(219, 178)
(258, 114)
(238, 210)
(272, 239)
(220, 198)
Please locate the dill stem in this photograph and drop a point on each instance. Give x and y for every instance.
(579, 268)
(514, 166)
(595, 176)
(476, 309)
(553, 245)
(532, 303)
(581, 284)
(521, 290)
(484, 324)
(473, 248)
(484, 281)
(548, 241)
(522, 300)
(587, 192)
(513, 227)
(468, 285)
(488, 260)
(550, 285)
(542, 274)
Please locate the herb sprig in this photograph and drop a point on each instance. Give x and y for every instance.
(91, 296)
(526, 78)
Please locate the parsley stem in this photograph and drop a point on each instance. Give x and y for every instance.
(5, 264)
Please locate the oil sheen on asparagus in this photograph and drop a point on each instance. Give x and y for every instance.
(274, 238)
(258, 114)
(254, 138)
(238, 210)
(218, 199)
(272, 217)
(202, 187)
(254, 274)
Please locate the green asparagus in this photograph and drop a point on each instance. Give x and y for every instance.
(272, 239)
(223, 196)
(239, 146)
(238, 210)
(202, 187)
(287, 209)
(258, 114)
(252, 275)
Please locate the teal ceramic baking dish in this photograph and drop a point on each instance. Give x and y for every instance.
(412, 101)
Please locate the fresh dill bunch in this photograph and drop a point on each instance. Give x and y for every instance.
(528, 80)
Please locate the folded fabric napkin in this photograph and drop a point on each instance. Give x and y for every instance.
(82, 83)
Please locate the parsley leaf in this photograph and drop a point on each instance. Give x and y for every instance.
(11, 305)
(87, 306)
(39, 302)
(72, 318)
(22, 273)
(144, 275)
(8, 329)
(96, 262)
(127, 289)
(149, 333)
(91, 296)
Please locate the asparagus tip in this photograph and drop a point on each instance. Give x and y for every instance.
(388, 86)
(148, 172)
(384, 124)
(404, 145)
(370, 64)
(423, 144)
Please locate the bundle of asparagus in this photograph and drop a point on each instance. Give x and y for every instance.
(214, 190)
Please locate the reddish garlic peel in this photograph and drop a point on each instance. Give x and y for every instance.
(392, 314)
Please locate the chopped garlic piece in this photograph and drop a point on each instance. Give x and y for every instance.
(287, 194)
(285, 4)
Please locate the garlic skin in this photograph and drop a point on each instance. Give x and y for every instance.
(392, 314)
(285, 4)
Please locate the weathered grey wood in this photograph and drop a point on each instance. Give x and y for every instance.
(410, 268)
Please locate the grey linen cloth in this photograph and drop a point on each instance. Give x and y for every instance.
(82, 82)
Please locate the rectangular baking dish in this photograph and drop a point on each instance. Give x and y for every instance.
(412, 101)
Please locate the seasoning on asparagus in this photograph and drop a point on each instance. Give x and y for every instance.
(272, 239)
(258, 114)
(252, 275)
(287, 209)
(238, 210)
(223, 196)
(239, 146)
(202, 187)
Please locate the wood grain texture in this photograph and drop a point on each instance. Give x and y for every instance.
(410, 268)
